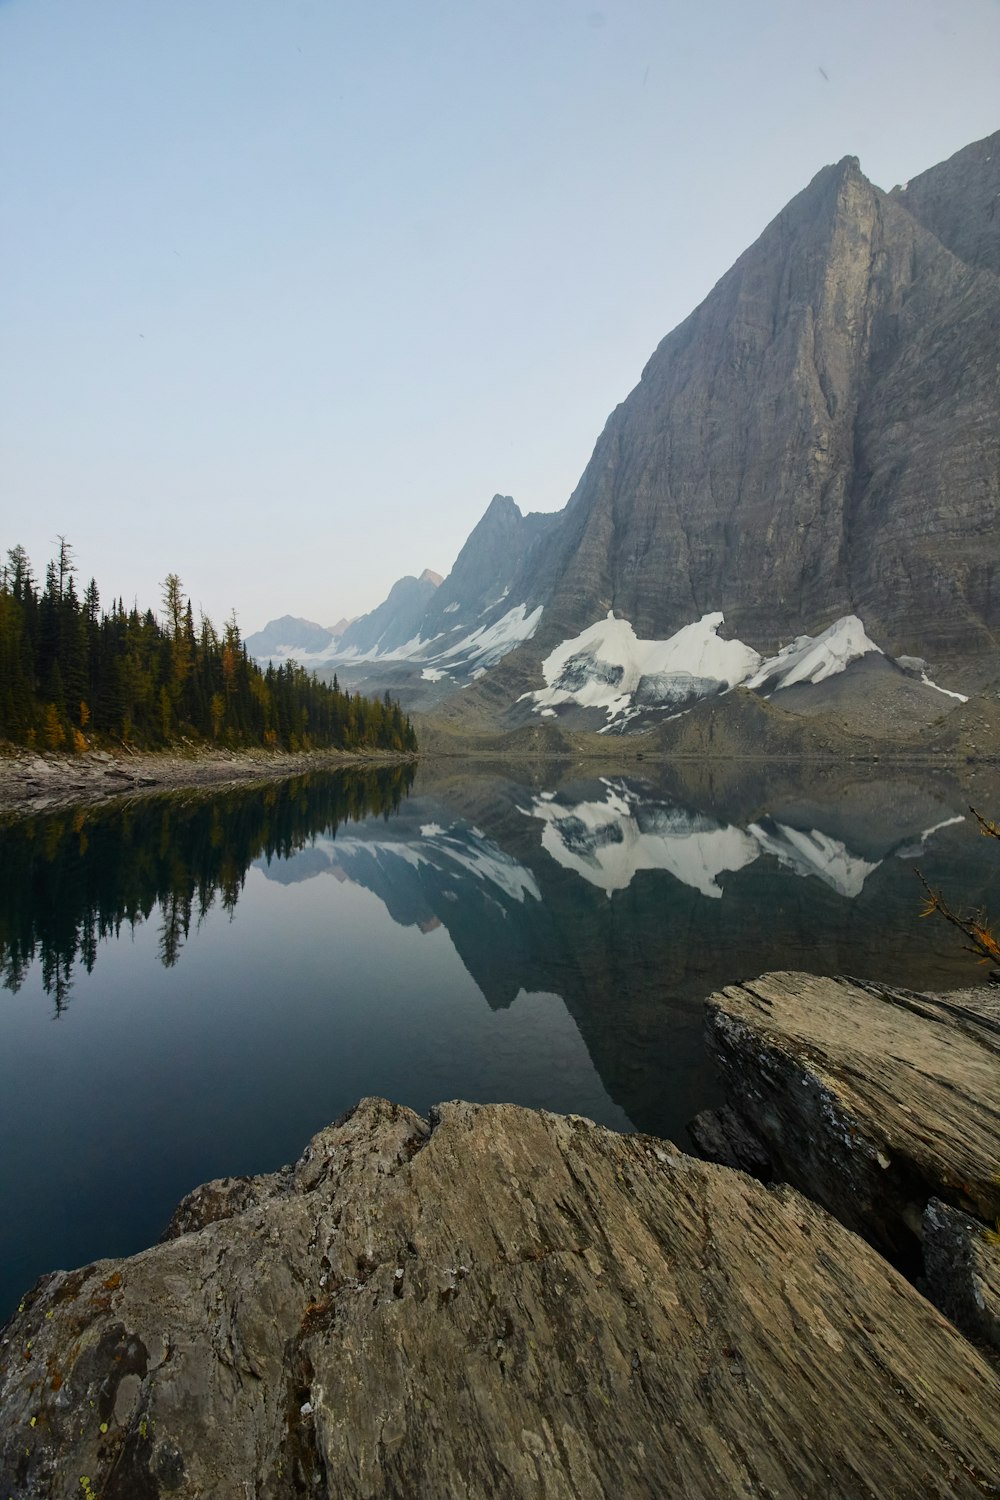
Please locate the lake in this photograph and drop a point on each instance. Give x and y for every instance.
(194, 984)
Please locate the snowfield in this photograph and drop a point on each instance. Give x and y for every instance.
(607, 667)
(814, 658)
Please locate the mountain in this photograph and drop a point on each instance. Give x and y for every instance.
(289, 636)
(819, 441)
(395, 621)
(430, 635)
(819, 438)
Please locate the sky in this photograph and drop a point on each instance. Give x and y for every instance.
(289, 290)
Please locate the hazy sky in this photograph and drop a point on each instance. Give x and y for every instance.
(288, 290)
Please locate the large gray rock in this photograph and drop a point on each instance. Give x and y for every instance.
(870, 1100)
(502, 1303)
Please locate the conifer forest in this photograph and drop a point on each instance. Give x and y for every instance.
(75, 677)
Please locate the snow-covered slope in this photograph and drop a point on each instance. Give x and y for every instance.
(607, 668)
(814, 658)
(608, 841)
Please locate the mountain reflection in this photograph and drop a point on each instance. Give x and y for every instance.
(633, 903)
(630, 899)
(609, 838)
(69, 880)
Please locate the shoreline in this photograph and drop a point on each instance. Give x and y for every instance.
(38, 781)
(34, 781)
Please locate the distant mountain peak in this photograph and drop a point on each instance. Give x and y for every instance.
(429, 576)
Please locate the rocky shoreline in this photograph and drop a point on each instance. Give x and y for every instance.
(31, 781)
(497, 1301)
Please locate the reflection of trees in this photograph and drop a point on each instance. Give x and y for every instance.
(70, 879)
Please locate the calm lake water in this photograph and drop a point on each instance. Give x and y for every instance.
(195, 984)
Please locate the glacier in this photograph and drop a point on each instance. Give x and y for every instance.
(607, 667)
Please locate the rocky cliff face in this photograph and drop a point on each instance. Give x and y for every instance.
(818, 438)
(959, 202)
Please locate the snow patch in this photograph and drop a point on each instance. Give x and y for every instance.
(962, 697)
(489, 643)
(814, 658)
(815, 853)
(917, 846)
(607, 666)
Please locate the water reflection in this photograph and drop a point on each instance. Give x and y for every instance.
(69, 880)
(633, 904)
(486, 858)
(610, 838)
(540, 936)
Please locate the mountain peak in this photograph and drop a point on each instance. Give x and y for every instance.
(429, 576)
(502, 506)
(957, 202)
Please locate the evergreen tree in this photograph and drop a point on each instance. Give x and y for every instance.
(68, 671)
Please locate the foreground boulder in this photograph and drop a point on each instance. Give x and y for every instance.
(871, 1100)
(503, 1302)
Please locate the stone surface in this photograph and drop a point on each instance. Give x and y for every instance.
(962, 1260)
(502, 1303)
(721, 1135)
(870, 1100)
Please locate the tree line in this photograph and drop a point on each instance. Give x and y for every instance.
(73, 676)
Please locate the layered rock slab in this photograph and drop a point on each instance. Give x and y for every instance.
(501, 1303)
(871, 1100)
